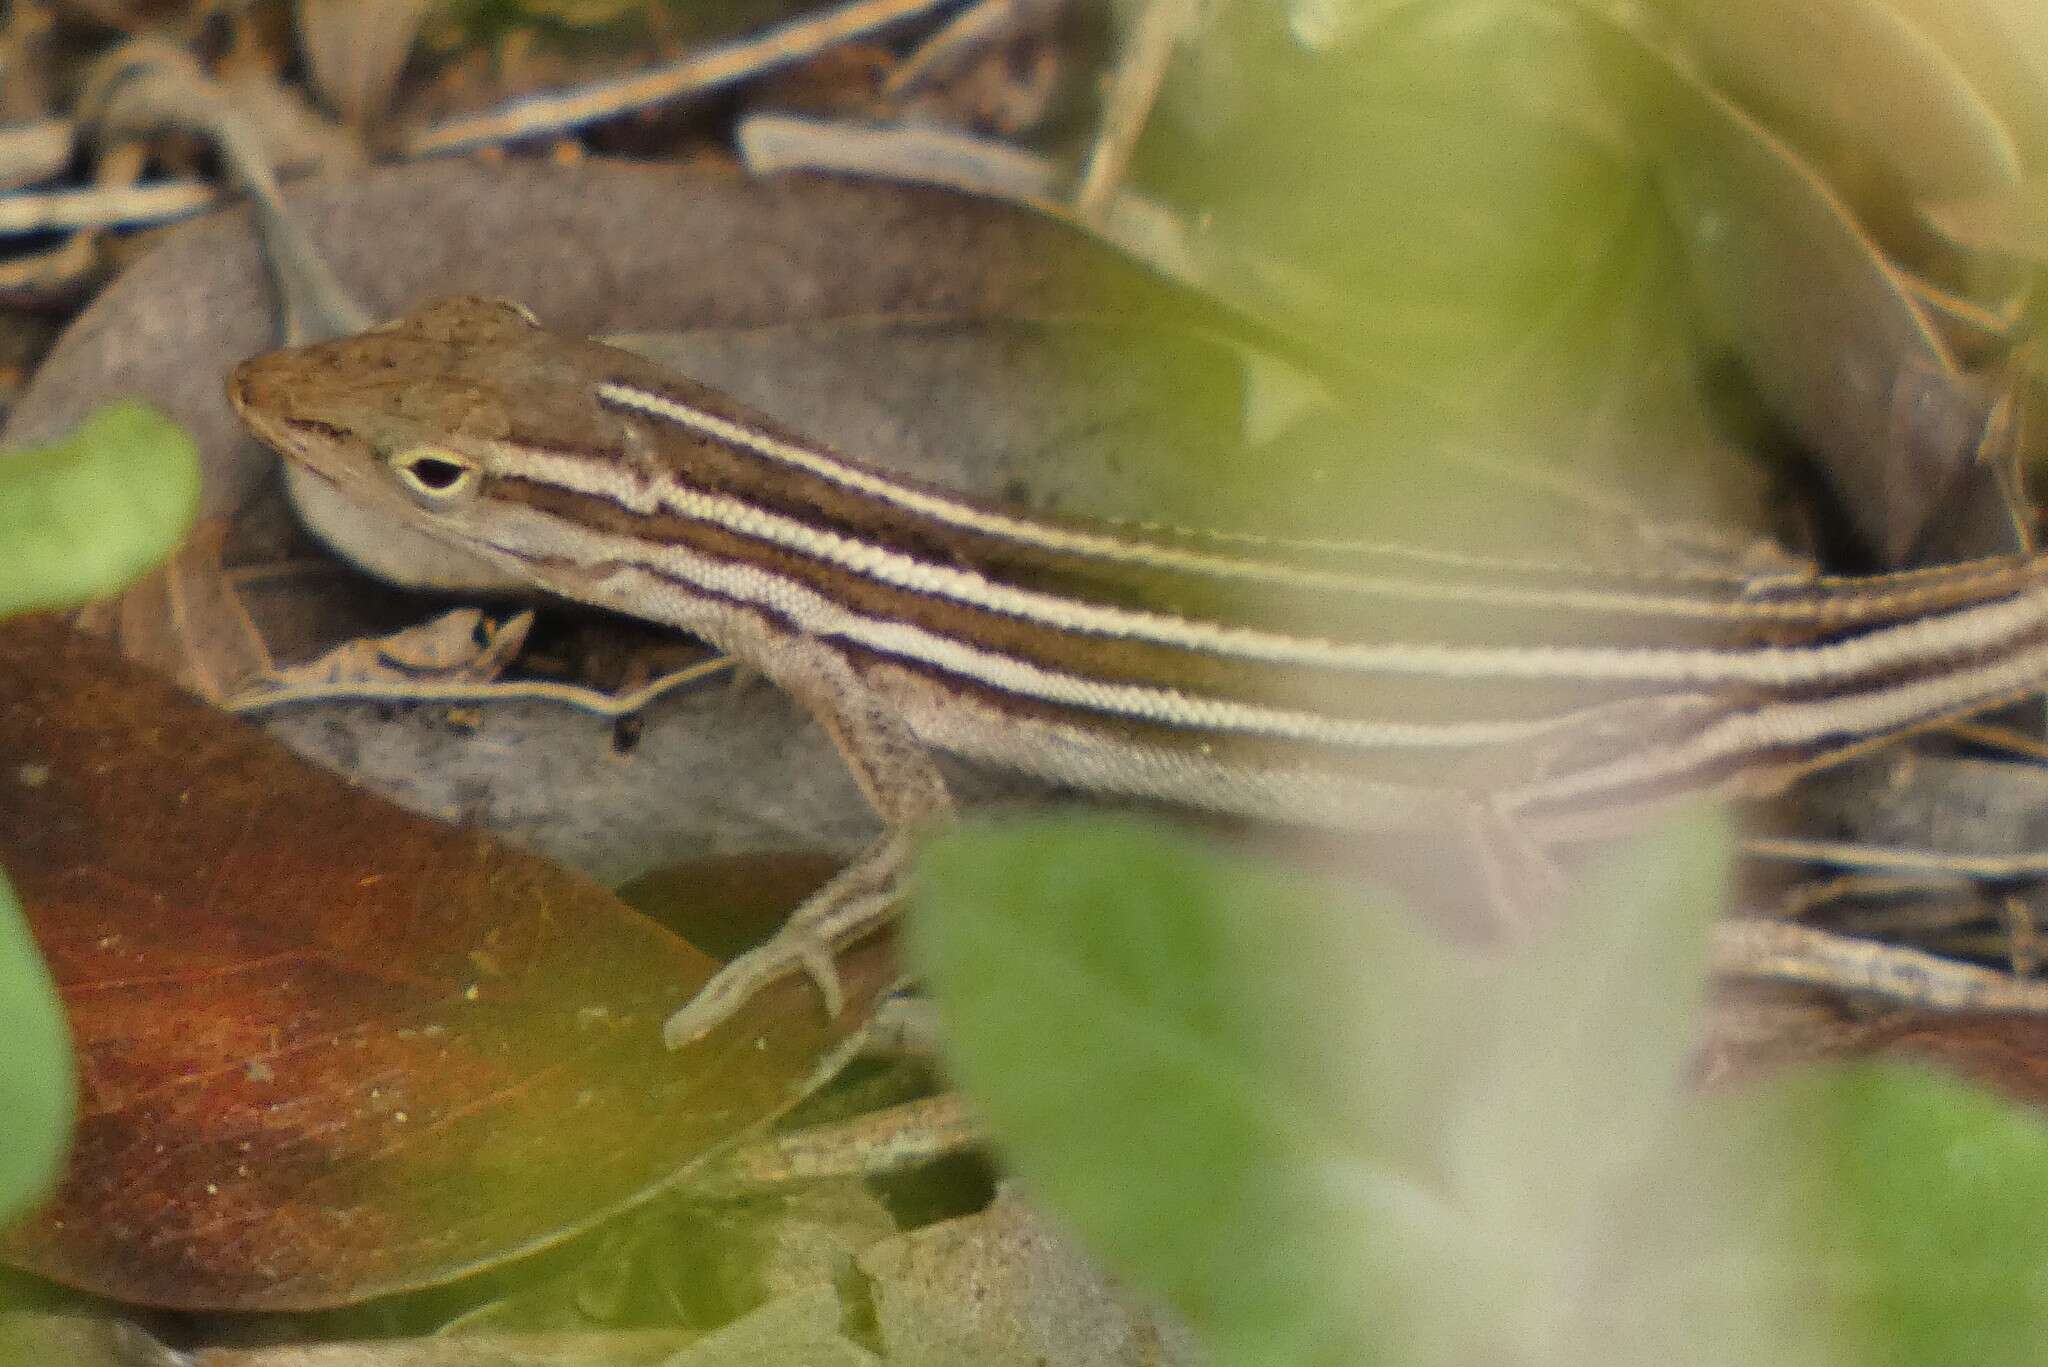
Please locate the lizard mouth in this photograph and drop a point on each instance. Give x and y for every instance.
(254, 400)
(263, 405)
(305, 436)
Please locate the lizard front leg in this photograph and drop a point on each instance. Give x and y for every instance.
(901, 782)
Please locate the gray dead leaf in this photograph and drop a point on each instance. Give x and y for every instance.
(1078, 415)
(1953, 804)
(1002, 1287)
(1932, 852)
(717, 769)
(596, 248)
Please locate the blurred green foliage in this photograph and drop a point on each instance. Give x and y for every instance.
(1938, 1195)
(1629, 244)
(79, 518)
(84, 516)
(36, 1083)
(1329, 1138)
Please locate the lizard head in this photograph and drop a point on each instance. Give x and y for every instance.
(388, 436)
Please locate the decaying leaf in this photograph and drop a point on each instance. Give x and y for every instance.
(328, 1050)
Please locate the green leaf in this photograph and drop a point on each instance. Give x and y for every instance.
(1428, 188)
(1876, 1213)
(84, 516)
(79, 518)
(1939, 1205)
(1449, 197)
(1330, 1139)
(1318, 1129)
(1087, 972)
(2012, 223)
(36, 1083)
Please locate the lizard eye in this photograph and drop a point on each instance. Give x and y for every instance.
(434, 476)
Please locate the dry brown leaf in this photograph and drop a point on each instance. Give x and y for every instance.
(2008, 1054)
(184, 621)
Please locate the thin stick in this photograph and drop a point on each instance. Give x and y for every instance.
(1897, 858)
(1133, 90)
(974, 29)
(1780, 952)
(524, 690)
(708, 69)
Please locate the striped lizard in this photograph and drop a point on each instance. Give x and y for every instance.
(1319, 683)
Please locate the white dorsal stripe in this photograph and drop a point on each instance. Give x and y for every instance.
(1957, 634)
(1787, 725)
(970, 517)
(966, 516)
(644, 581)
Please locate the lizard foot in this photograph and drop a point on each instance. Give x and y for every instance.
(730, 988)
(862, 898)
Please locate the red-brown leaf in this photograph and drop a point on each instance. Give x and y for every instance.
(329, 1050)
